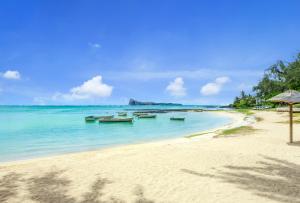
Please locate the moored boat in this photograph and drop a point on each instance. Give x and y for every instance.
(90, 119)
(139, 113)
(122, 114)
(146, 116)
(177, 118)
(115, 120)
(103, 117)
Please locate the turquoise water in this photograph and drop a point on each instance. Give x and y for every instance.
(35, 131)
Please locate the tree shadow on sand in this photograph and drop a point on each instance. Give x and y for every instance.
(49, 188)
(272, 178)
(139, 192)
(8, 186)
(52, 188)
(95, 195)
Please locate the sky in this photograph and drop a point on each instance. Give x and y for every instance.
(106, 52)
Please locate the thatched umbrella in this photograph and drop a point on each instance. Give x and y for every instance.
(290, 97)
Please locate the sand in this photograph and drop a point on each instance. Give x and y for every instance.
(256, 167)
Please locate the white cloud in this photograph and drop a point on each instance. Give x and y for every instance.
(222, 80)
(210, 89)
(176, 88)
(215, 87)
(11, 75)
(95, 45)
(93, 88)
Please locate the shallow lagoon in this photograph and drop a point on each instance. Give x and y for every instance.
(35, 131)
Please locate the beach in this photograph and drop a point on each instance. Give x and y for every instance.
(258, 166)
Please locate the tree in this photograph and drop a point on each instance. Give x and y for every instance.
(244, 101)
(277, 78)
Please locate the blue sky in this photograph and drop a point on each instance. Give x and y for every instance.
(105, 52)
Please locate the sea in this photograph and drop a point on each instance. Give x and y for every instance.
(28, 132)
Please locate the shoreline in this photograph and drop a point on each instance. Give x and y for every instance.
(238, 119)
(198, 169)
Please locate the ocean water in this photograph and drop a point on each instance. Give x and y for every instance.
(36, 131)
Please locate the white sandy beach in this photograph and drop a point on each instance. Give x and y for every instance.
(257, 167)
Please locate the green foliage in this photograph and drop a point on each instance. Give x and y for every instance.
(247, 112)
(277, 78)
(244, 101)
(239, 130)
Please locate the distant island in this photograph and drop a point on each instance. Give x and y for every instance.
(135, 102)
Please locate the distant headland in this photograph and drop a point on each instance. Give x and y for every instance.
(135, 102)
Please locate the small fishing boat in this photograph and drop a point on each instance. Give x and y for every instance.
(103, 117)
(147, 116)
(115, 120)
(90, 119)
(139, 113)
(122, 114)
(177, 118)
